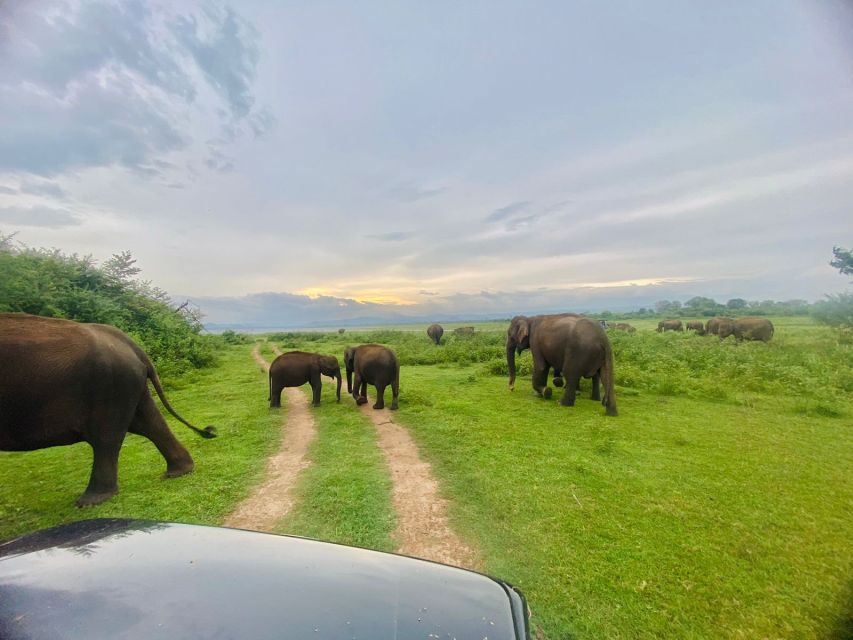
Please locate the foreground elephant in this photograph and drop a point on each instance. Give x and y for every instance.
(295, 368)
(697, 326)
(376, 365)
(670, 325)
(712, 327)
(64, 382)
(435, 331)
(750, 328)
(575, 346)
(518, 339)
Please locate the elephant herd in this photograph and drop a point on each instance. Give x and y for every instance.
(747, 328)
(64, 382)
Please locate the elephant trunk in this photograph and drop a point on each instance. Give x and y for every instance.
(510, 363)
(339, 385)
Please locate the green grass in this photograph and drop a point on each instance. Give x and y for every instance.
(680, 518)
(345, 495)
(39, 487)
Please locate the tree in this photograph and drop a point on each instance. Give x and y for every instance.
(842, 260)
(736, 303)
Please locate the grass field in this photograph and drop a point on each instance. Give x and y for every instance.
(719, 504)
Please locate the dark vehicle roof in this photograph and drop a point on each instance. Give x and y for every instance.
(141, 579)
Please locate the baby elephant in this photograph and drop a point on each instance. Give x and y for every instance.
(295, 368)
(376, 365)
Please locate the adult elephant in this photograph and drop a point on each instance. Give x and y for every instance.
(670, 325)
(376, 365)
(624, 326)
(464, 331)
(295, 368)
(63, 382)
(435, 331)
(518, 336)
(749, 328)
(712, 327)
(576, 346)
(697, 326)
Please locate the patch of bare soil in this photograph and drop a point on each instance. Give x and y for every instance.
(422, 526)
(273, 499)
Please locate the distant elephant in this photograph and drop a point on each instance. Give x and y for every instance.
(435, 331)
(624, 326)
(518, 339)
(713, 325)
(750, 328)
(576, 346)
(295, 368)
(697, 326)
(64, 382)
(341, 331)
(376, 365)
(463, 331)
(670, 325)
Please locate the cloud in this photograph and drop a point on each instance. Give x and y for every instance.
(508, 211)
(424, 292)
(392, 236)
(8, 190)
(50, 189)
(38, 216)
(102, 83)
(411, 193)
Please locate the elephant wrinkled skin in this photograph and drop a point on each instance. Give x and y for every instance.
(575, 346)
(435, 331)
(295, 368)
(749, 328)
(376, 365)
(64, 382)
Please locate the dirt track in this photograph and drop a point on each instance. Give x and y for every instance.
(273, 499)
(422, 526)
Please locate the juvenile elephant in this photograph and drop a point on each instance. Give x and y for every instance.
(670, 325)
(712, 327)
(435, 331)
(295, 368)
(624, 326)
(63, 382)
(376, 365)
(576, 346)
(750, 328)
(697, 326)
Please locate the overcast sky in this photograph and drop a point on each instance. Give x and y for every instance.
(289, 163)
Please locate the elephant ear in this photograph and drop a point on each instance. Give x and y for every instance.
(522, 332)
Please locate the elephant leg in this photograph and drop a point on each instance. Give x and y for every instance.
(362, 387)
(316, 388)
(103, 482)
(275, 395)
(149, 423)
(380, 396)
(558, 377)
(572, 379)
(596, 380)
(540, 380)
(395, 391)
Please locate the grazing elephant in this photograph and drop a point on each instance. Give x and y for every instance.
(697, 326)
(463, 331)
(750, 328)
(518, 339)
(670, 325)
(341, 331)
(713, 325)
(295, 368)
(435, 331)
(576, 346)
(376, 365)
(624, 326)
(64, 382)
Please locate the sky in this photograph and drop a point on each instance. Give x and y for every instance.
(296, 163)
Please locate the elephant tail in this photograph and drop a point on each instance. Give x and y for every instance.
(609, 399)
(208, 432)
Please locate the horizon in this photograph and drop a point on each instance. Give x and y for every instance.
(294, 165)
